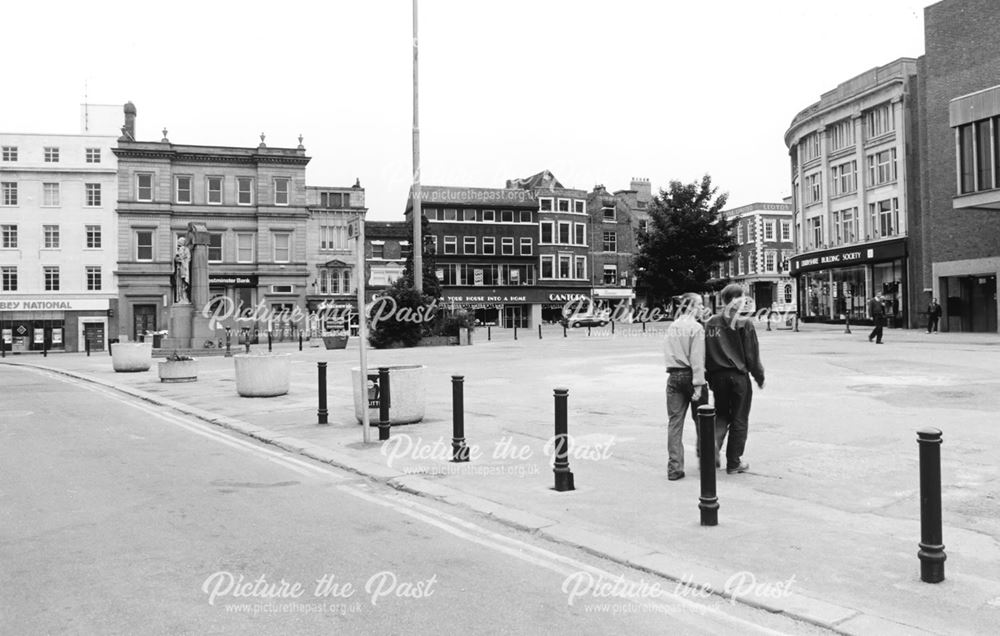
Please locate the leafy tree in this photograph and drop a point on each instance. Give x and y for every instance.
(686, 239)
(399, 310)
(432, 286)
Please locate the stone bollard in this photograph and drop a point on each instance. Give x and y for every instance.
(931, 553)
(321, 412)
(563, 476)
(383, 404)
(708, 502)
(459, 449)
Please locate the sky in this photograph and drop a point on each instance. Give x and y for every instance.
(598, 92)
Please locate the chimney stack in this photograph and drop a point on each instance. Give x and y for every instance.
(644, 191)
(128, 130)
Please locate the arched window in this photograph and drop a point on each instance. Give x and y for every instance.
(788, 293)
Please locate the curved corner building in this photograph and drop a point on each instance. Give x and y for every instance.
(855, 194)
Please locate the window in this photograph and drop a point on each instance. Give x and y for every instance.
(769, 230)
(882, 167)
(562, 205)
(378, 249)
(739, 233)
(489, 245)
(984, 156)
(343, 200)
(93, 155)
(548, 266)
(845, 225)
(880, 120)
(814, 190)
(580, 233)
(786, 231)
(749, 231)
(282, 247)
(843, 178)
(809, 147)
(489, 215)
(975, 155)
(468, 215)
(546, 232)
(545, 205)
(751, 263)
(182, 189)
(9, 153)
(450, 215)
(213, 189)
(580, 271)
(788, 293)
(643, 225)
(817, 231)
(244, 191)
(450, 245)
(9, 189)
(215, 247)
(430, 213)
(525, 246)
(332, 236)
(580, 207)
(610, 242)
(50, 237)
(281, 191)
(345, 276)
(841, 135)
(51, 276)
(8, 278)
(50, 195)
(93, 278)
(144, 187)
(469, 245)
(93, 195)
(525, 216)
(244, 248)
(739, 264)
(144, 245)
(883, 216)
(608, 214)
(8, 236)
(564, 232)
(565, 262)
(610, 275)
(507, 246)
(93, 237)
(770, 261)
(506, 216)
(51, 154)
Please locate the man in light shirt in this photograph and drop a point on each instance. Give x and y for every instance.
(684, 353)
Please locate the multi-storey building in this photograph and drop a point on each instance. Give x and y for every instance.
(959, 235)
(331, 252)
(253, 202)
(387, 246)
(855, 191)
(57, 238)
(613, 226)
(763, 233)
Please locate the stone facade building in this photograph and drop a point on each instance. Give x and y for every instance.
(763, 234)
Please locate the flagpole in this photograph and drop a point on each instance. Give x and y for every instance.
(418, 243)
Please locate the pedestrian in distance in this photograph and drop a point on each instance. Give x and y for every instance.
(732, 355)
(876, 307)
(933, 315)
(684, 353)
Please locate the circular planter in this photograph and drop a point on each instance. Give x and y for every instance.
(129, 357)
(335, 342)
(262, 375)
(178, 370)
(407, 394)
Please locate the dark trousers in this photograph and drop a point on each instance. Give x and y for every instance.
(733, 394)
(932, 324)
(877, 331)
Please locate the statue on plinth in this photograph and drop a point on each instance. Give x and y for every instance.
(182, 272)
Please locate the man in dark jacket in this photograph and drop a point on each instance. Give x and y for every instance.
(876, 307)
(933, 315)
(732, 355)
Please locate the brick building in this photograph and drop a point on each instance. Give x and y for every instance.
(613, 227)
(959, 234)
(763, 234)
(387, 246)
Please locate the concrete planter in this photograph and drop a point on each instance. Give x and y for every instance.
(262, 375)
(465, 337)
(178, 370)
(129, 357)
(407, 394)
(335, 342)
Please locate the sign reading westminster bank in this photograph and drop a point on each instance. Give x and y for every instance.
(59, 304)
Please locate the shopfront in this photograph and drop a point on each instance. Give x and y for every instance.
(619, 301)
(835, 284)
(35, 325)
(519, 306)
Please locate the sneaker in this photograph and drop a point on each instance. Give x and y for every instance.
(742, 468)
(676, 476)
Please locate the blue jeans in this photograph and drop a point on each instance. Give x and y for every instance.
(680, 391)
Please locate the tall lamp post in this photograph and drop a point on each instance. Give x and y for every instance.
(418, 243)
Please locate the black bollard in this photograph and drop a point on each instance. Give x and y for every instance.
(515, 332)
(588, 330)
(847, 323)
(45, 348)
(564, 330)
(489, 333)
(612, 327)
(321, 412)
(795, 321)
(539, 332)
(459, 450)
(931, 552)
(300, 341)
(383, 404)
(87, 345)
(564, 478)
(769, 321)
(229, 336)
(269, 341)
(708, 502)
(643, 326)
